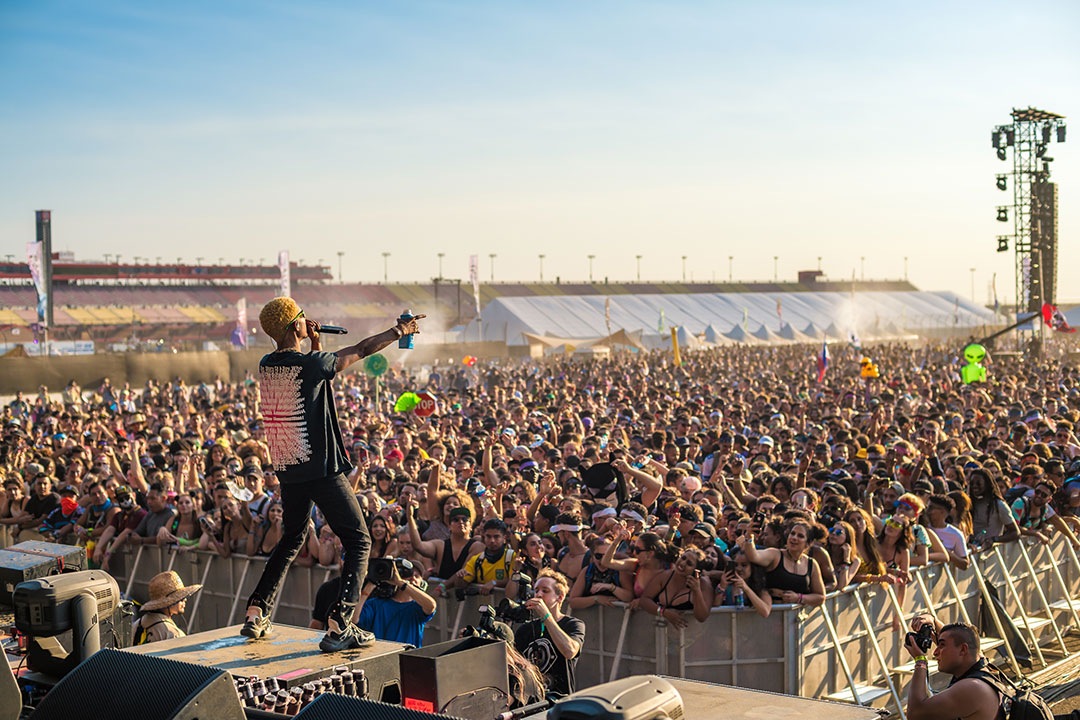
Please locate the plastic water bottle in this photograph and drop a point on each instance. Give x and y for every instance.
(738, 598)
(405, 342)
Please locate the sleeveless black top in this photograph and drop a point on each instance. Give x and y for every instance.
(780, 579)
(451, 564)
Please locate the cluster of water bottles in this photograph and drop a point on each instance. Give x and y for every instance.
(273, 696)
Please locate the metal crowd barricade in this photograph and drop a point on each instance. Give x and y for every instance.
(847, 649)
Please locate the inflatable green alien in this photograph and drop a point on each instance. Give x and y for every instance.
(973, 371)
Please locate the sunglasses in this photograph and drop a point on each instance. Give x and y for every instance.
(895, 524)
(837, 531)
(297, 317)
(634, 550)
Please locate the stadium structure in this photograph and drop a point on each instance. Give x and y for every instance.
(111, 305)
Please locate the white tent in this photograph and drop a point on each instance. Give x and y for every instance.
(765, 335)
(813, 331)
(792, 335)
(583, 316)
(737, 334)
(687, 340)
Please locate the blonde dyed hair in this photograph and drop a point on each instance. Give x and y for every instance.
(276, 316)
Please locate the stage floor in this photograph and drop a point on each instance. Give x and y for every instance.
(290, 654)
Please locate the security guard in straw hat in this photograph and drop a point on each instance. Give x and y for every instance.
(168, 597)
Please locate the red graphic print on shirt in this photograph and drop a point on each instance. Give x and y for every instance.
(283, 415)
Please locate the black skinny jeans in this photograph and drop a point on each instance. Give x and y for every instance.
(335, 498)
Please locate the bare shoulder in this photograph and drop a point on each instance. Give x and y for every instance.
(982, 701)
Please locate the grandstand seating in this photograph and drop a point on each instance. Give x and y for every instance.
(209, 311)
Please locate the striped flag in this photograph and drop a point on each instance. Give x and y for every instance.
(822, 361)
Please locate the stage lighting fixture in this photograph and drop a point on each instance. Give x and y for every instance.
(1001, 153)
(1040, 150)
(1046, 133)
(995, 138)
(1061, 133)
(1003, 214)
(1003, 243)
(1010, 137)
(1002, 182)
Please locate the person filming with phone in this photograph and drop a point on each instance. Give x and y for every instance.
(973, 692)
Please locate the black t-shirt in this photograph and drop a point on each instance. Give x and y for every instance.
(38, 507)
(540, 650)
(297, 405)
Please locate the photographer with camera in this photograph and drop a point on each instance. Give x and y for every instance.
(976, 689)
(552, 641)
(393, 603)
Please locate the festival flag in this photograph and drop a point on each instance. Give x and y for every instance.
(994, 285)
(1055, 319)
(607, 314)
(474, 278)
(823, 360)
(660, 324)
(283, 266)
(779, 312)
(745, 319)
(240, 332)
(675, 346)
(37, 272)
(956, 311)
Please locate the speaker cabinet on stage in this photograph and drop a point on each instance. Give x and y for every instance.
(34, 559)
(465, 677)
(116, 684)
(335, 707)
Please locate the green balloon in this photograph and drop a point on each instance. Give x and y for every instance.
(407, 402)
(376, 365)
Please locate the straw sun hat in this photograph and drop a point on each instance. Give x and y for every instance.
(168, 589)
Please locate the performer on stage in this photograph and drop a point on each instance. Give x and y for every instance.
(308, 454)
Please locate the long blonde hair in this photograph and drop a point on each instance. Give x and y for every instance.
(530, 683)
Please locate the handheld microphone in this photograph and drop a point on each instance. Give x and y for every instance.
(332, 330)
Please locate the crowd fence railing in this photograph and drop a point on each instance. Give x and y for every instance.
(1022, 595)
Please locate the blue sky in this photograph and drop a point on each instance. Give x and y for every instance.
(792, 129)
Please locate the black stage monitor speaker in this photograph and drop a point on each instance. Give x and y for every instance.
(335, 707)
(117, 684)
(642, 697)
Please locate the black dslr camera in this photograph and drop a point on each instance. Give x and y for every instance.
(485, 625)
(515, 610)
(381, 571)
(923, 639)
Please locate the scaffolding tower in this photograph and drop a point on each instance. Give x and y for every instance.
(1034, 207)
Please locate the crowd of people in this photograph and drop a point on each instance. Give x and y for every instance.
(735, 478)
